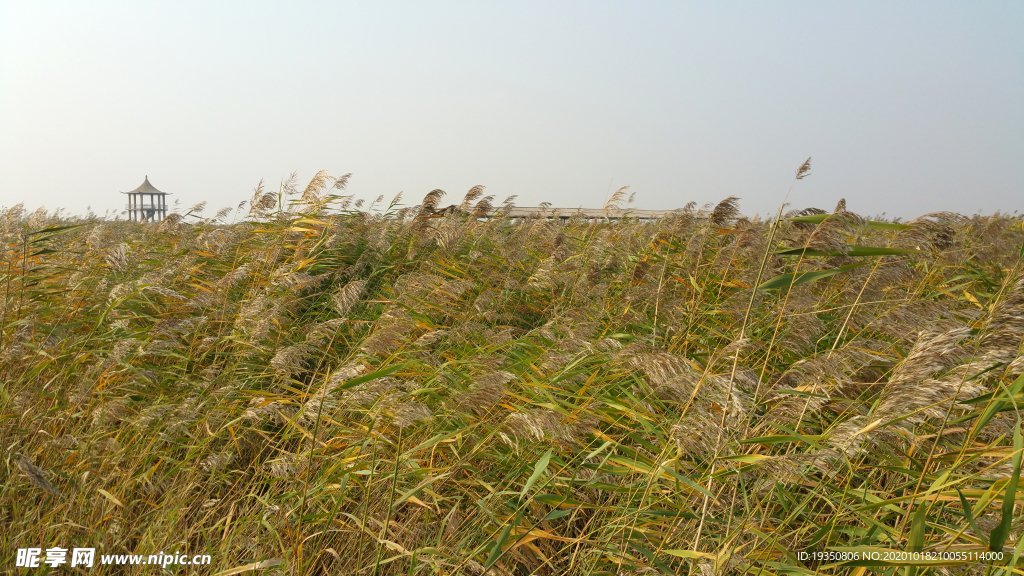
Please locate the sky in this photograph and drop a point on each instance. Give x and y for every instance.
(905, 107)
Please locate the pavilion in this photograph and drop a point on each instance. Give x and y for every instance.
(146, 203)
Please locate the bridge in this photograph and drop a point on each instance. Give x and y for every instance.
(587, 213)
(563, 214)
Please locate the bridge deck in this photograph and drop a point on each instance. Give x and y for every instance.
(590, 213)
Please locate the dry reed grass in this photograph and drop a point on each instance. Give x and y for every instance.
(393, 392)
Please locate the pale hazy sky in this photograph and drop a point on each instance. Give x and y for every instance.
(906, 107)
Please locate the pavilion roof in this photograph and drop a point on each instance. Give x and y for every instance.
(145, 188)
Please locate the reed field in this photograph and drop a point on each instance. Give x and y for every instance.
(309, 384)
